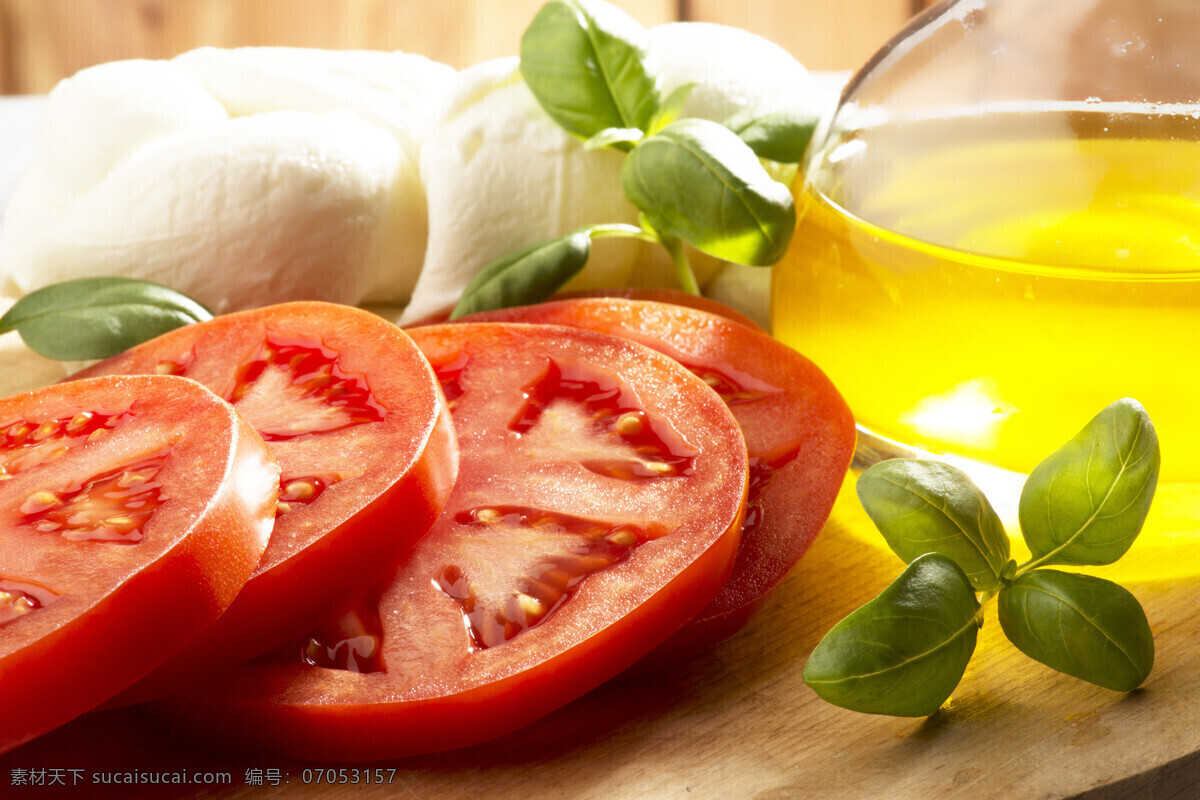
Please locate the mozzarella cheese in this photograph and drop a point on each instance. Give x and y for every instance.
(499, 175)
(241, 178)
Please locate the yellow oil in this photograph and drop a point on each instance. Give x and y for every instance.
(982, 286)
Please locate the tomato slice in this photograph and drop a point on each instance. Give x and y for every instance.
(356, 419)
(133, 511)
(597, 508)
(799, 433)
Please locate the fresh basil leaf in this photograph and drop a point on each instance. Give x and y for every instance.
(527, 276)
(1086, 503)
(903, 652)
(698, 181)
(781, 135)
(671, 107)
(90, 318)
(622, 138)
(925, 506)
(1080, 625)
(586, 63)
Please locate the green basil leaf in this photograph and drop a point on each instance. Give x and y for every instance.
(781, 135)
(527, 276)
(91, 318)
(931, 507)
(586, 63)
(904, 652)
(1086, 503)
(1080, 625)
(621, 138)
(671, 107)
(698, 181)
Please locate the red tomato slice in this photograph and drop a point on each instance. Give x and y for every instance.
(365, 444)
(597, 508)
(133, 511)
(799, 433)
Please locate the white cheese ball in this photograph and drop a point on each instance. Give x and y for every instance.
(241, 178)
(397, 92)
(500, 175)
(732, 69)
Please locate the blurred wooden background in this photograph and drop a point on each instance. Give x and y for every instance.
(43, 41)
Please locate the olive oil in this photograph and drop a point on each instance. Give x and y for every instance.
(983, 285)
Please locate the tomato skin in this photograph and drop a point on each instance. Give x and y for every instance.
(124, 608)
(436, 692)
(801, 413)
(672, 296)
(675, 297)
(400, 469)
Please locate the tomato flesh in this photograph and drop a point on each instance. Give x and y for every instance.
(367, 455)
(599, 498)
(133, 511)
(799, 434)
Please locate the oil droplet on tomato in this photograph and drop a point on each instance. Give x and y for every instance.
(762, 468)
(298, 491)
(611, 407)
(492, 619)
(352, 640)
(113, 506)
(449, 375)
(18, 598)
(734, 391)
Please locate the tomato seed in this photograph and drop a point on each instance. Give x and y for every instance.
(622, 538)
(299, 490)
(79, 421)
(47, 428)
(39, 502)
(132, 478)
(629, 424)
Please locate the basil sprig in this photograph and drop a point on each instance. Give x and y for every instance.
(90, 318)
(904, 652)
(695, 182)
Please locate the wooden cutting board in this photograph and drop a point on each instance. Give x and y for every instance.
(740, 722)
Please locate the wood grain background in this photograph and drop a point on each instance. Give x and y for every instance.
(43, 41)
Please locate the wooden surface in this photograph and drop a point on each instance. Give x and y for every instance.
(43, 41)
(739, 722)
